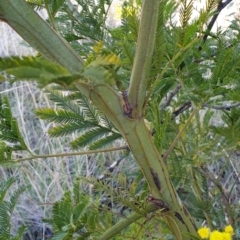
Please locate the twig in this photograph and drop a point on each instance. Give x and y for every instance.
(188, 104)
(133, 217)
(220, 7)
(112, 166)
(226, 197)
(143, 56)
(171, 95)
(223, 107)
(184, 107)
(67, 154)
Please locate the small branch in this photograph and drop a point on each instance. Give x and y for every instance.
(220, 7)
(226, 197)
(168, 65)
(117, 228)
(112, 166)
(183, 108)
(223, 107)
(198, 190)
(63, 155)
(170, 97)
(188, 104)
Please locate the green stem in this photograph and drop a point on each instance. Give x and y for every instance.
(63, 155)
(29, 25)
(113, 231)
(145, 153)
(143, 57)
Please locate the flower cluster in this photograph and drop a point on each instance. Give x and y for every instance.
(205, 233)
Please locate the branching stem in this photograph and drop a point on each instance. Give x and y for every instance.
(220, 7)
(125, 223)
(65, 154)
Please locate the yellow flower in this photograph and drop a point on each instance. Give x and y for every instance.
(228, 229)
(216, 235)
(97, 48)
(227, 236)
(204, 232)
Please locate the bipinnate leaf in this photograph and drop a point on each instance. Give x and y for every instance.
(36, 68)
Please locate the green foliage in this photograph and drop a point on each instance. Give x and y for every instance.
(6, 210)
(75, 114)
(89, 23)
(101, 69)
(229, 129)
(78, 216)
(98, 71)
(30, 68)
(10, 136)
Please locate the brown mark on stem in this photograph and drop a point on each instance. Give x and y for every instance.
(126, 106)
(178, 216)
(159, 203)
(156, 179)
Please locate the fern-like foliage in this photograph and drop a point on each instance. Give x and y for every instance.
(185, 17)
(11, 138)
(101, 68)
(229, 129)
(77, 216)
(91, 14)
(77, 21)
(33, 68)
(75, 114)
(6, 210)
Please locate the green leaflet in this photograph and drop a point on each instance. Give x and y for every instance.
(60, 116)
(104, 141)
(41, 70)
(45, 72)
(6, 210)
(74, 215)
(76, 114)
(98, 75)
(11, 138)
(89, 136)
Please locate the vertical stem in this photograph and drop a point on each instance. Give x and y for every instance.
(147, 156)
(143, 56)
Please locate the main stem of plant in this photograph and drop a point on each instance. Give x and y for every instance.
(147, 156)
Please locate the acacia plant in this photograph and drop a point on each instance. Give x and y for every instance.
(146, 82)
